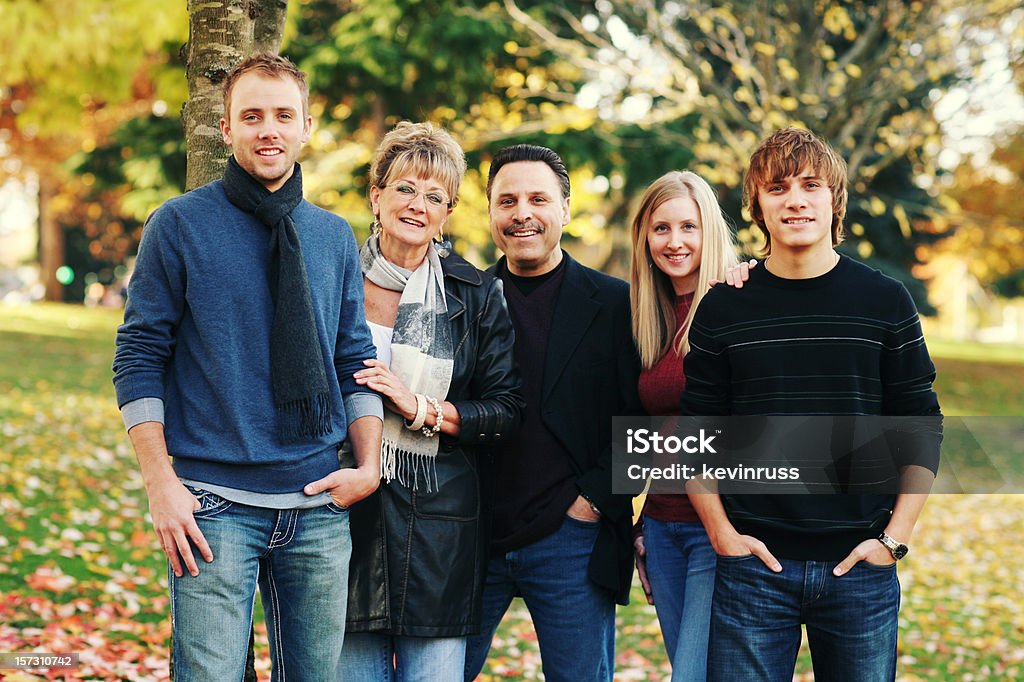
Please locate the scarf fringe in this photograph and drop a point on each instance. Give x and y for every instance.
(397, 463)
(306, 417)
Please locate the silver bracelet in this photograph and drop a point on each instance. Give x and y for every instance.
(421, 414)
(430, 431)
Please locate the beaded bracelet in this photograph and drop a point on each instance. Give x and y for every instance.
(421, 414)
(429, 431)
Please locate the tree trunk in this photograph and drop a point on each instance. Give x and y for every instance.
(269, 28)
(220, 36)
(51, 241)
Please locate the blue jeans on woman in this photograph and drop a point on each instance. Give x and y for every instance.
(374, 657)
(755, 621)
(300, 559)
(681, 571)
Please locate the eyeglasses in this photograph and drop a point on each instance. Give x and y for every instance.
(409, 193)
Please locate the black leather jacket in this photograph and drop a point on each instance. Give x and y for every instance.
(419, 559)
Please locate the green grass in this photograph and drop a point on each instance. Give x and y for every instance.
(80, 569)
(979, 352)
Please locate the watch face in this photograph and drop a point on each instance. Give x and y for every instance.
(897, 549)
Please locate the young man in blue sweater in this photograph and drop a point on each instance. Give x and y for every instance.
(243, 328)
(810, 333)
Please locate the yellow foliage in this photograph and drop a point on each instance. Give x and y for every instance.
(836, 20)
(787, 70)
(876, 206)
(901, 217)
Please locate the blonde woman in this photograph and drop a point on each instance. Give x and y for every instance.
(681, 246)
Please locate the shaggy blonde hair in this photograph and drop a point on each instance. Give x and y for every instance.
(651, 293)
(786, 153)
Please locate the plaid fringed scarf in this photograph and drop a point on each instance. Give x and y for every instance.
(422, 356)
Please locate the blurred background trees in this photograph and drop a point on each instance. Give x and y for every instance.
(624, 90)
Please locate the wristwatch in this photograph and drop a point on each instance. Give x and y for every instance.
(897, 549)
(593, 507)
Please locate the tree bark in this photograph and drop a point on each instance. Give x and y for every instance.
(269, 27)
(220, 36)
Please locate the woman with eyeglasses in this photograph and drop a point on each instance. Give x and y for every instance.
(446, 372)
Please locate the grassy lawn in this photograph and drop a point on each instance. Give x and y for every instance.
(80, 569)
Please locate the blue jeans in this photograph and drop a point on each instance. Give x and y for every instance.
(574, 619)
(300, 559)
(756, 617)
(372, 657)
(681, 570)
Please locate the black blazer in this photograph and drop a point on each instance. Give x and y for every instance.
(590, 376)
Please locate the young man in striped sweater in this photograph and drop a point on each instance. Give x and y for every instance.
(812, 332)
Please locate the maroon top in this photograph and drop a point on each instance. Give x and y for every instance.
(660, 388)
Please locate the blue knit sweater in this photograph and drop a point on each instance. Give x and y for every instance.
(196, 334)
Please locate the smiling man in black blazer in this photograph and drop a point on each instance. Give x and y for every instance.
(560, 538)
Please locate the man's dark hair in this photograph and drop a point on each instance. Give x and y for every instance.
(529, 152)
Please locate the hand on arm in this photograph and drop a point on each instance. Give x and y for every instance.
(401, 400)
(170, 503)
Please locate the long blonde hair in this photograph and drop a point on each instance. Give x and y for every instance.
(651, 293)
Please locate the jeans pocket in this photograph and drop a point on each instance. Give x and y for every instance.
(738, 557)
(336, 508)
(876, 567)
(583, 522)
(210, 504)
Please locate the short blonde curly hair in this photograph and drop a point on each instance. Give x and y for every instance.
(419, 149)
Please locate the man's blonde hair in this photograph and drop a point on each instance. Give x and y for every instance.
(271, 65)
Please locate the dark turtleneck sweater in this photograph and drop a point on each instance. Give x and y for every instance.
(535, 478)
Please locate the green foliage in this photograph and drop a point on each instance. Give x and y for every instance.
(625, 92)
(145, 154)
(862, 75)
(75, 55)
